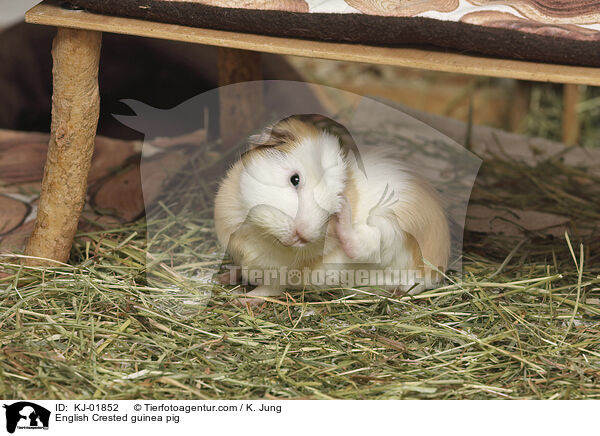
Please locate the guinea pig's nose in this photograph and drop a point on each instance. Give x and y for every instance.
(300, 238)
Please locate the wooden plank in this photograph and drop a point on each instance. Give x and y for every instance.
(50, 14)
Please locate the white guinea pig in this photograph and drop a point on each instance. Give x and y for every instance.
(298, 211)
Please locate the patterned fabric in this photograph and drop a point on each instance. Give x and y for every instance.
(571, 19)
(577, 19)
(558, 31)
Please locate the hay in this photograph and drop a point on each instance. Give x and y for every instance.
(522, 322)
(544, 118)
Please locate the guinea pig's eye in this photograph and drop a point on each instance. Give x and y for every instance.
(295, 180)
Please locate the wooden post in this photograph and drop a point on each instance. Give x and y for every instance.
(570, 118)
(519, 106)
(75, 111)
(241, 108)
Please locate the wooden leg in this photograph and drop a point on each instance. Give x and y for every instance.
(570, 122)
(241, 108)
(519, 106)
(75, 111)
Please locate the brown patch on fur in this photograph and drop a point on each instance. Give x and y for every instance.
(418, 263)
(351, 191)
(283, 136)
(432, 244)
(417, 256)
(227, 195)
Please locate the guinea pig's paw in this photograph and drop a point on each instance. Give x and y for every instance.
(344, 207)
(243, 302)
(342, 201)
(345, 236)
(231, 277)
(265, 291)
(344, 215)
(254, 297)
(343, 227)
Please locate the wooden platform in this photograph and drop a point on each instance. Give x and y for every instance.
(49, 13)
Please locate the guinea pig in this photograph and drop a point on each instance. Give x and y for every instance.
(298, 211)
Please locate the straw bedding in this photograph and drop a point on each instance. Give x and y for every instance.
(523, 321)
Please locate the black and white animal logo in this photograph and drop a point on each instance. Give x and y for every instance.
(26, 415)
